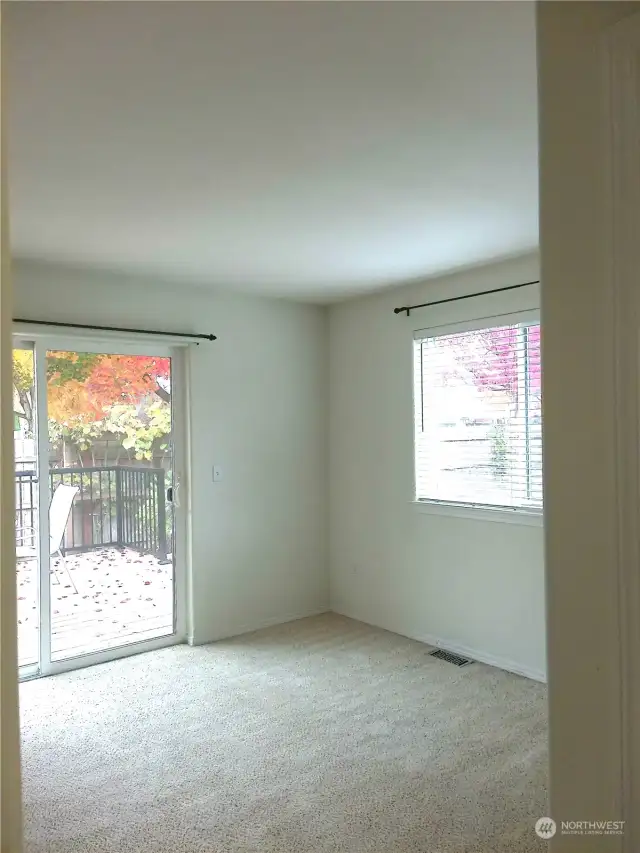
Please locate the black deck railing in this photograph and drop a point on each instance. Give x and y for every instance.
(122, 506)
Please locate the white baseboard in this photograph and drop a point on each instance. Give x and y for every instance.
(429, 639)
(248, 628)
(484, 657)
(458, 648)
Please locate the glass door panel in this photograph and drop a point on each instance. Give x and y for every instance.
(26, 505)
(110, 475)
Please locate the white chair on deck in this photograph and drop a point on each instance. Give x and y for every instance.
(59, 512)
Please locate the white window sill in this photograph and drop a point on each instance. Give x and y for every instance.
(527, 518)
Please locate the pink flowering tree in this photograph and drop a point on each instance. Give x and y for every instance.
(491, 357)
(504, 361)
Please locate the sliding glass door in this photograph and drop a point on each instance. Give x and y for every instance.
(26, 506)
(98, 468)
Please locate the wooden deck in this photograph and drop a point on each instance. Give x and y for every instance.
(100, 599)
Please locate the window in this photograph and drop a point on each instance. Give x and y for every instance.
(478, 417)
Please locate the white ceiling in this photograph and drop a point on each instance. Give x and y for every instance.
(307, 149)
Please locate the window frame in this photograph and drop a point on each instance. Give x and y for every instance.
(523, 515)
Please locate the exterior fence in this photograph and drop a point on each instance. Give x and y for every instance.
(121, 506)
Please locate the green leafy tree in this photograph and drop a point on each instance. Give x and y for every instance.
(23, 386)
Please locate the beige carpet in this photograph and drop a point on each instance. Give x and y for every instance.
(320, 735)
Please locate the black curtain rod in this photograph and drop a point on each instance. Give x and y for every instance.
(409, 308)
(117, 329)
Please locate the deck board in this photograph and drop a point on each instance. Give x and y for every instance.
(100, 599)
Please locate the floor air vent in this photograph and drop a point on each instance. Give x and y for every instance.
(449, 657)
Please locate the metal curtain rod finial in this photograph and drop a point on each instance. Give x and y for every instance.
(409, 308)
(196, 335)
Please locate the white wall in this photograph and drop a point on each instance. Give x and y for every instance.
(258, 408)
(580, 430)
(473, 585)
(10, 769)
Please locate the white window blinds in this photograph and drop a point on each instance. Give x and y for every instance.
(478, 417)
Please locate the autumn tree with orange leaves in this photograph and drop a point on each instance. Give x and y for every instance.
(84, 386)
(90, 395)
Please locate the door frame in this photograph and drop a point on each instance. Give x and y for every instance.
(621, 75)
(42, 342)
